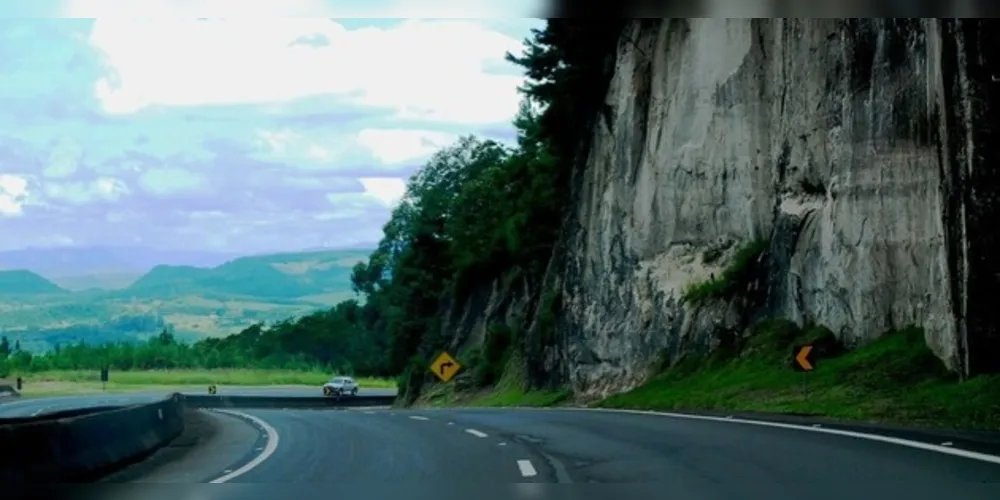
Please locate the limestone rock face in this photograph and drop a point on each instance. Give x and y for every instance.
(862, 151)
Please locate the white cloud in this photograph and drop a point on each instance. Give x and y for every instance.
(81, 193)
(303, 150)
(395, 146)
(461, 9)
(349, 205)
(325, 150)
(64, 159)
(422, 69)
(165, 181)
(13, 194)
(388, 190)
(122, 216)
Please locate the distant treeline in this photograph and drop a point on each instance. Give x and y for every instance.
(328, 340)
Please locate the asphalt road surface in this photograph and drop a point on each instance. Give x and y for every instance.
(452, 453)
(34, 406)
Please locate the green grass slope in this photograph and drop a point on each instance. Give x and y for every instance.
(895, 379)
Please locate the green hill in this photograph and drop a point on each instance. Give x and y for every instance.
(23, 282)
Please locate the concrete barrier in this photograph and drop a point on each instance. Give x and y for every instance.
(205, 401)
(83, 447)
(8, 390)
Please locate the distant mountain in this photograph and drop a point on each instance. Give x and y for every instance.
(197, 301)
(22, 282)
(111, 280)
(82, 261)
(287, 275)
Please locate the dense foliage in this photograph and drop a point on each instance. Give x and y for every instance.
(478, 211)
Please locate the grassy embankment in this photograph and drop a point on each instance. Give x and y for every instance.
(895, 379)
(82, 382)
(507, 392)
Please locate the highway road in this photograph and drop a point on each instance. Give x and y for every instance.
(449, 452)
(35, 406)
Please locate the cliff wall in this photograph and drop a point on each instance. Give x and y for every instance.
(860, 153)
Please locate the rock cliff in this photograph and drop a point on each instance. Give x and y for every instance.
(860, 153)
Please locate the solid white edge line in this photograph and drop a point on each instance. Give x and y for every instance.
(957, 452)
(269, 448)
(476, 433)
(527, 469)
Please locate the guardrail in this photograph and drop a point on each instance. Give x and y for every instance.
(205, 401)
(83, 446)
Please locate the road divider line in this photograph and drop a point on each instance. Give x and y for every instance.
(476, 433)
(269, 448)
(527, 469)
(418, 417)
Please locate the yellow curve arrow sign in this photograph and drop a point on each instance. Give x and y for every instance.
(803, 359)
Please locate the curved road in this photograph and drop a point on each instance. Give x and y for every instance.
(451, 453)
(34, 406)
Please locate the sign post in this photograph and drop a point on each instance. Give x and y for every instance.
(445, 367)
(104, 378)
(804, 362)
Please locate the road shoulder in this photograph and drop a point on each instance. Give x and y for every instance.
(211, 445)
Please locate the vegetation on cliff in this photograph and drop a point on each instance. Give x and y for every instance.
(480, 211)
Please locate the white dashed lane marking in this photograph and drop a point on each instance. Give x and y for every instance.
(418, 417)
(476, 433)
(527, 470)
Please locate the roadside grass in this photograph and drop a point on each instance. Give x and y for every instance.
(895, 379)
(83, 381)
(517, 397)
(508, 392)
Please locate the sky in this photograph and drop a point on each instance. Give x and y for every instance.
(245, 134)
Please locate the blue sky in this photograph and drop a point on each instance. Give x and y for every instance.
(248, 135)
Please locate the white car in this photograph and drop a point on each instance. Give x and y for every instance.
(338, 386)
